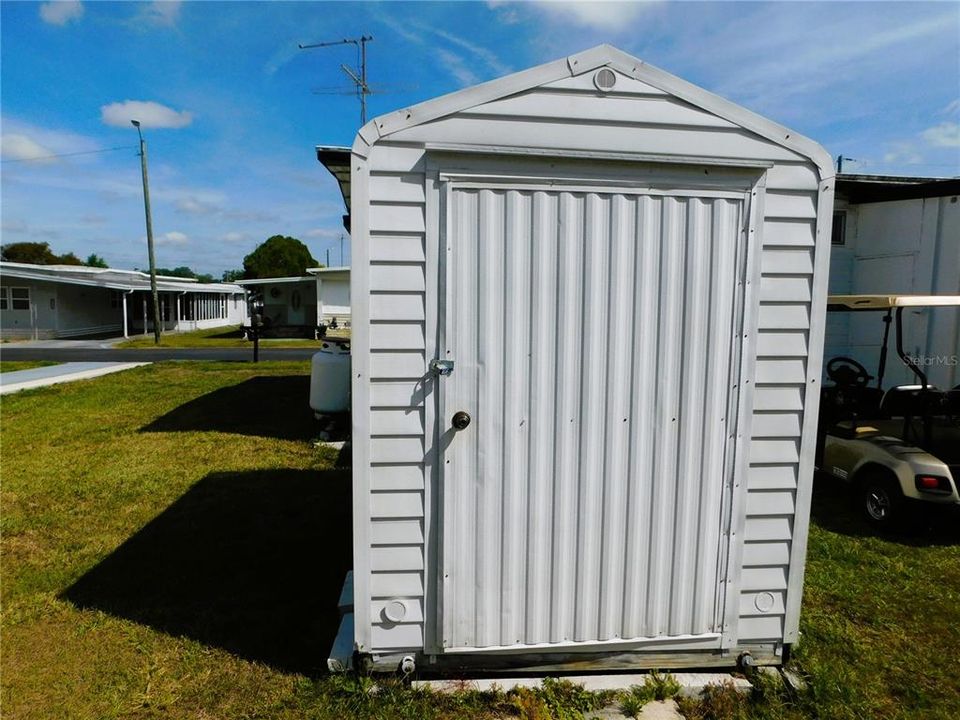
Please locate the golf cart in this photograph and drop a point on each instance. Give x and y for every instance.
(894, 445)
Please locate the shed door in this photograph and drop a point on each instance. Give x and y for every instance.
(592, 332)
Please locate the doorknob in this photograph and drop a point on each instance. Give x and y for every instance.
(460, 420)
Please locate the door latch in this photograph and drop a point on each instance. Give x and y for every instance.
(441, 367)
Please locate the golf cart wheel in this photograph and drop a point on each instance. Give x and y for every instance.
(881, 501)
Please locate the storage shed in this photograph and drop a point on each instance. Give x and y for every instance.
(588, 305)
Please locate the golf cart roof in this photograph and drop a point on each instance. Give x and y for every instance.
(885, 302)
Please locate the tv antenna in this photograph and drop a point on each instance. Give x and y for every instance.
(358, 74)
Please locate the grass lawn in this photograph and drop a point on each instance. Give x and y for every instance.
(173, 545)
(14, 365)
(219, 338)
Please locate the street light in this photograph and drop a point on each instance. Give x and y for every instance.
(146, 210)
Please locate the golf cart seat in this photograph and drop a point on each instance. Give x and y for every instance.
(909, 400)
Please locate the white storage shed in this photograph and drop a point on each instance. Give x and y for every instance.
(614, 283)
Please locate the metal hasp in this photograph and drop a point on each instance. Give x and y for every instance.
(441, 367)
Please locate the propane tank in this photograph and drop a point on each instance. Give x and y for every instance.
(330, 378)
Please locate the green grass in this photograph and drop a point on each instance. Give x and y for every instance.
(14, 365)
(222, 337)
(173, 544)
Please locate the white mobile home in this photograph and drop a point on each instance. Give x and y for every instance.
(588, 304)
(304, 302)
(897, 235)
(61, 301)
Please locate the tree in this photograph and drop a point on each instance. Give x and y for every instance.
(278, 256)
(183, 272)
(232, 275)
(69, 259)
(205, 278)
(94, 260)
(29, 252)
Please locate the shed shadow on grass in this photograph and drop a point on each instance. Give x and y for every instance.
(265, 406)
(249, 562)
(836, 508)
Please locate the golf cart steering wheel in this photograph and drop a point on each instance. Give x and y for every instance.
(847, 372)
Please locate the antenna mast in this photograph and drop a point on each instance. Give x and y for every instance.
(359, 75)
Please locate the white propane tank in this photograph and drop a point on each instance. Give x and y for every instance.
(330, 378)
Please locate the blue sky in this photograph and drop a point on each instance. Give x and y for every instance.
(231, 119)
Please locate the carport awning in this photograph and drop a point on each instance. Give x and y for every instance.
(336, 159)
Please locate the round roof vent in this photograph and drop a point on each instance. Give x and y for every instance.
(605, 79)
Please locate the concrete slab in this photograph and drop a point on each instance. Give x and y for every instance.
(53, 374)
(660, 710)
(691, 684)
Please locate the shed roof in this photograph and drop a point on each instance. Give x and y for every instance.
(110, 278)
(587, 61)
(887, 188)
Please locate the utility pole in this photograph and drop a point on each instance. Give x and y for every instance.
(840, 159)
(328, 257)
(358, 75)
(341, 249)
(152, 259)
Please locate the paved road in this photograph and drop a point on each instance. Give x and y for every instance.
(99, 354)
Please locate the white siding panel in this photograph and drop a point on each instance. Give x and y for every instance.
(772, 477)
(739, 144)
(397, 637)
(769, 502)
(781, 371)
(750, 607)
(785, 288)
(790, 205)
(400, 218)
(397, 335)
(396, 532)
(776, 397)
(397, 248)
(397, 277)
(584, 82)
(783, 231)
(766, 553)
(768, 528)
(612, 108)
(788, 176)
(781, 344)
(396, 449)
(764, 578)
(786, 261)
(396, 365)
(400, 394)
(397, 306)
(396, 188)
(776, 425)
(396, 477)
(396, 584)
(396, 422)
(396, 558)
(414, 610)
(773, 451)
(406, 504)
(391, 157)
(769, 627)
(784, 316)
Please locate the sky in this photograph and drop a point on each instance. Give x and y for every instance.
(231, 111)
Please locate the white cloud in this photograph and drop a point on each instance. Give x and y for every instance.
(946, 134)
(902, 153)
(60, 12)
(196, 206)
(324, 233)
(952, 109)
(234, 237)
(15, 146)
(173, 237)
(162, 12)
(608, 16)
(150, 114)
(457, 66)
(488, 57)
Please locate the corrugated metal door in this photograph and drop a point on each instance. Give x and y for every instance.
(593, 334)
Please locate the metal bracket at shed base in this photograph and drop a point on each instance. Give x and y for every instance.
(441, 367)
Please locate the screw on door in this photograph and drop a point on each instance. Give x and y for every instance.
(460, 420)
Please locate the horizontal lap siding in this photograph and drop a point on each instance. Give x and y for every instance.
(635, 118)
(787, 261)
(397, 315)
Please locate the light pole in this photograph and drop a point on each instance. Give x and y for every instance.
(146, 210)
